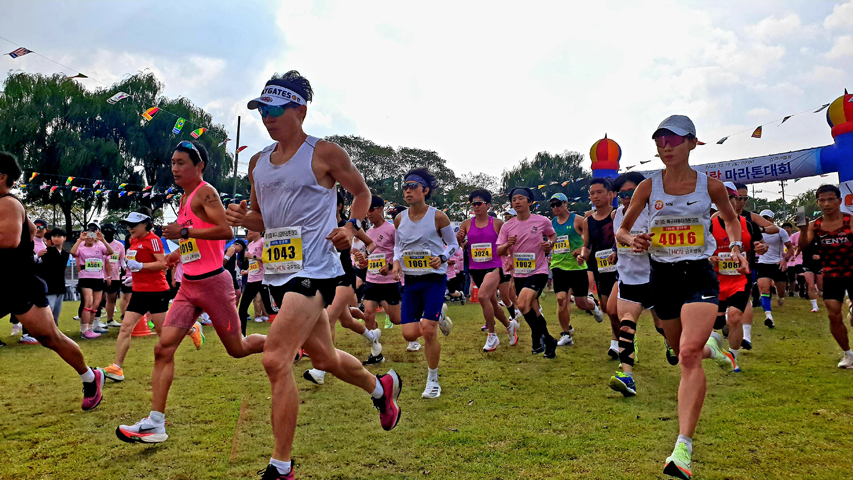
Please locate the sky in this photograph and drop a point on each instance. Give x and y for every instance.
(483, 85)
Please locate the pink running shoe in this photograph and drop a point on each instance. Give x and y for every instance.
(90, 335)
(93, 391)
(389, 412)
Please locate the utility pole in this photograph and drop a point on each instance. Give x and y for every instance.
(784, 204)
(236, 159)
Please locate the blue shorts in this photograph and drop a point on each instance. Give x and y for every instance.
(423, 297)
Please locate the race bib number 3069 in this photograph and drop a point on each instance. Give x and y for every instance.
(283, 250)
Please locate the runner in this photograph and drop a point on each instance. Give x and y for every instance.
(255, 284)
(527, 239)
(678, 200)
(147, 260)
(293, 201)
(23, 294)
(380, 287)
(340, 307)
(810, 268)
(598, 245)
(771, 268)
(93, 263)
(834, 234)
(206, 286)
(420, 254)
(507, 286)
(568, 267)
(634, 291)
(116, 261)
(485, 265)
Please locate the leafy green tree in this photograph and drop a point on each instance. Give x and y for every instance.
(550, 170)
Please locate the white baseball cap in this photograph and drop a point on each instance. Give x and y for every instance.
(730, 185)
(677, 124)
(276, 95)
(136, 217)
(512, 212)
(767, 213)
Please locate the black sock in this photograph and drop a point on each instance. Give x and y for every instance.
(532, 319)
(543, 327)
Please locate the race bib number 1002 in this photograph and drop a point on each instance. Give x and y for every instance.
(283, 250)
(524, 263)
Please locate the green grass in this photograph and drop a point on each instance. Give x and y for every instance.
(503, 415)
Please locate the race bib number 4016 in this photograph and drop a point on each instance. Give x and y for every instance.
(283, 250)
(677, 236)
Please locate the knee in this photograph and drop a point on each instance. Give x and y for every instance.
(277, 362)
(561, 301)
(412, 333)
(690, 356)
(734, 320)
(164, 352)
(429, 329)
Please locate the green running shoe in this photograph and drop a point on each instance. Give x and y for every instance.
(388, 324)
(723, 358)
(678, 464)
(671, 357)
(624, 384)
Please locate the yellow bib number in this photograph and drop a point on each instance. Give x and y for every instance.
(189, 251)
(375, 262)
(562, 245)
(416, 260)
(678, 236)
(283, 250)
(481, 252)
(524, 263)
(254, 266)
(114, 258)
(93, 265)
(728, 265)
(602, 258)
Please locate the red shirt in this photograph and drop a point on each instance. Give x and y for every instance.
(730, 284)
(835, 249)
(142, 250)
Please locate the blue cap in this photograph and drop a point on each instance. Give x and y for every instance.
(560, 197)
(677, 124)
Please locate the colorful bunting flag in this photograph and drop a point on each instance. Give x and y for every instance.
(821, 108)
(19, 52)
(145, 195)
(95, 185)
(565, 183)
(79, 75)
(242, 148)
(643, 162)
(699, 142)
(178, 126)
(117, 98)
(198, 132)
(33, 176)
(74, 189)
(121, 187)
(786, 119)
(53, 188)
(149, 114)
(97, 192)
(719, 142)
(121, 194)
(224, 142)
(69, 180)
(43, 187)
(632, 166)
(542, 186)
(757, 133)
(149, 187)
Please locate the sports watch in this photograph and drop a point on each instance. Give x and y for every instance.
(185, 233)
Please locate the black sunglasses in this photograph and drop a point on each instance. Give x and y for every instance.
(411, 185)
(477, 204)
(556, 204)
(626, 194)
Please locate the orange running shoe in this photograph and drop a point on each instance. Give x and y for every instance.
(197, 336)
(114, 373)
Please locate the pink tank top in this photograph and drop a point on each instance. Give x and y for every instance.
(482, 248)
(198, 257)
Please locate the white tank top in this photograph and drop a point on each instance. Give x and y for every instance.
(679, 224)
(418, 241)
(298, 215)
(633, 268)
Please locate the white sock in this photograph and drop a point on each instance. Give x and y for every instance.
(369, 335)
(768, 315)
(83, 328)
(713, 353)
(89, 376)
(747, 332)
(433, 375)
(734, 352)
(282, 467)
(378, 391)
(814, 304)
(614, 345)
(687, 441)
(157, 418)
(849, 353)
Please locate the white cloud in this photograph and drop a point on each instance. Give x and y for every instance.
(824, 74)
(843, 47)
(759, 112)
(772, 28)
(841, 17)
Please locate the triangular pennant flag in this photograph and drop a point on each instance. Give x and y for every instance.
(242, 148)
(79, 75)
(74, 189)
(565, 183)
(757, 133)
(95, 185)
(121, 194)
(43, 187)
(149, 187)
(169, 197)
(97, 192)
(19, 52)
(145, 195)
(69, 180)
(23, 185)
(33, 176)
(170, 190)
(542, 186)
(699, 142)
(117, 98)
(53, 189)
(786, 119)
(198, 132)
(632, 166)
(821, 108)
(121, 187)
(719, 142)
(149, 114)
(224, 142)
(178, 126)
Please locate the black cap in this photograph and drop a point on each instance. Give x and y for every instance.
(527, 192)
(377, 202)
(108, 227)
(39, 221)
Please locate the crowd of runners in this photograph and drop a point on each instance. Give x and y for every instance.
(678, 243)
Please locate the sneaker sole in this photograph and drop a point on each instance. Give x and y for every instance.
(133, 438)
(398, 387)
(674, 470)
(379, 362)
(114, 377)
(619, 386)
(310, 378)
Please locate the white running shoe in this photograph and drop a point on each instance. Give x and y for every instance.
(28, 340)
(846, 362)
(444, 322)
(375, 346)
(16, 329)
(597, 314)
(565, 340)
(540, 310)
(259, 320)
(432, 390)
(518, 313)
(265, 318)
(144, 431)
(205, 319)
(315, 376)
(512, 331)
(113, 324)
(377, 332)
(414, 346)
(501, 303)
(492, 342)
(76, 318)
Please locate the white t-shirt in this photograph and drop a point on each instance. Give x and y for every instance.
(775, 246)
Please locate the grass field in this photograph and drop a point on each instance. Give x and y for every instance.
(503, 415)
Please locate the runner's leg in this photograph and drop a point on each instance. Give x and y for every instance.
(39, 322)
(691, 347)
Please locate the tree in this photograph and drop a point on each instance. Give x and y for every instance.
(551, 170)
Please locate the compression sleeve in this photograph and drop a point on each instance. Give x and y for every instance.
(449, 237)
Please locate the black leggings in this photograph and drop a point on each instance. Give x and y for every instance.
(455, 284)
(250, 291)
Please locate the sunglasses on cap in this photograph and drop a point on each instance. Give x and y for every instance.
(188, 144)
(625, 194)
(411, 185)
(477, 204)
(556, 203)
(673, 140)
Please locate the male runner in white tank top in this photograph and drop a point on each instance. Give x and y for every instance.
(293, 202)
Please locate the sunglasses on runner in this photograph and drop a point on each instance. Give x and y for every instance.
(625, 194)
(477, 204)
(556, 204)
(673, 140)
(743, 198)
(188, 144)
(39, 227)
(411, 185)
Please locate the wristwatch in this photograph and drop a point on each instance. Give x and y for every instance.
(356, 223)
(443, 258)
(736, 244)
(185, 233)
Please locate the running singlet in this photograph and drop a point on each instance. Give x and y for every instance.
(775, 247)
(383, 237)
(418, 242)
(482, 246)
(299, 214)
(633, 268)
(731, 281)
(568, 240)
(256, 267)
(680, 224)
(527, 255)
(18, 259)
(197, 256)
(835, 249)
(601, 241)
(142, 250)
(116, 259)
(91, 260)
